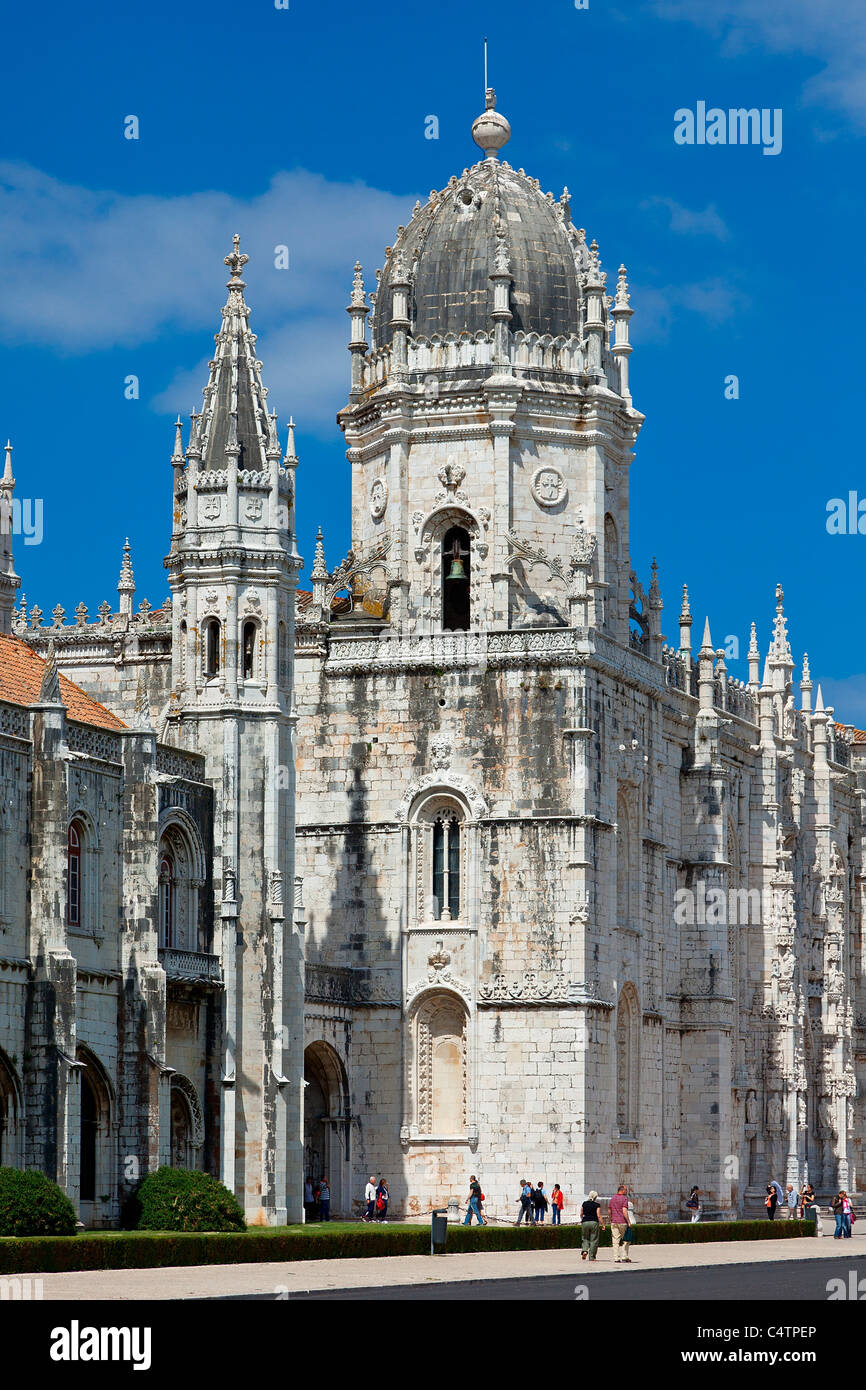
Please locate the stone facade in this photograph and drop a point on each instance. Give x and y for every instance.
(514, 886)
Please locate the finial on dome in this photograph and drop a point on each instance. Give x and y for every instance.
(236, 261)
(490, 130)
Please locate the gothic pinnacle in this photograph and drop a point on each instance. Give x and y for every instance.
(236, 260)
(320, 569)
(177, 456)
(7, 479)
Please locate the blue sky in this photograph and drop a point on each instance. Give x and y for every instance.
(305, 127)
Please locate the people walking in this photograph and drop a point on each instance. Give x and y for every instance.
(557, 1202)
(591, 1226)
(790, 1208)
(693, 1203)
(540, 1203)
(842, 1213)
(383, 1197)
(370, 1199)
(525, 1212)
(617, 1210)
(324, 1200)
(476, 1199)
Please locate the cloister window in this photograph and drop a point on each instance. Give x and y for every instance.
(75, 882)
(211, 647)
(181, 876)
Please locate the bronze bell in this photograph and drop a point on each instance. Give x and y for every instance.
(456, 571)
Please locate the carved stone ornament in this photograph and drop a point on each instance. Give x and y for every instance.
(440, 752)
(378, 498)
(477, 804)
(548, 487)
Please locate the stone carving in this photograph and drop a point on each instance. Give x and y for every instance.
(752, 1111)
(451, 475)
(534, 555)
(254, 508)
(212, 508)
(477, 804)
(774, 1113)
(229, 882)
(528, 987)
(334, 984)
(548, 487)
(378, 498)
(440, 752)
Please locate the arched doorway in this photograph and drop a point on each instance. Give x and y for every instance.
(10, 1128)
(187, 1124)
(97, 1178)
(327, 1123)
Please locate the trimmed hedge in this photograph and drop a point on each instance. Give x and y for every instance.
(33, 1205)
(149, 1250)
(180, 1199)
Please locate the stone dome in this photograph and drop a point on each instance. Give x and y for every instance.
(448, 250)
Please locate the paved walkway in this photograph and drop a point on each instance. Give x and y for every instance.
(303, 1276)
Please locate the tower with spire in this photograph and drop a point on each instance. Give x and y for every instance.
(232, 570)
(9, 581)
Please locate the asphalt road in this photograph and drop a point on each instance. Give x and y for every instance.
(797, 1280)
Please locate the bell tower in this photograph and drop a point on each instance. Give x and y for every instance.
(490, 422)
(233, 567)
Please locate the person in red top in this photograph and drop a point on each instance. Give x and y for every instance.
(557, 1202)
(619, 1223)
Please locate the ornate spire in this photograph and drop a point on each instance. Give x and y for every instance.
(177, 455)
(655, 593)
(621, 299)
(359, 299)
(126, 583)
(236, 260)
(234, 425)
(780, 649)
(7, 481)
(685, 610)
(49, 691)
(320, 569)
(707, 642)
(291, 456)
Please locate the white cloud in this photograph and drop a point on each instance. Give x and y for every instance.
(688, 221)
(834, 34)
(96, 270)
(656, 307)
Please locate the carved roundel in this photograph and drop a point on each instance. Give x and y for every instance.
(548, 487)
(378, 498)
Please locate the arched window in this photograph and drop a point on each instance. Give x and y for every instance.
(456, 570)
(211, 647)
(627, 862)
(250, 632)
(440, 1071)
(167, 890)
(611, 570)
(446, 866)
(75, 879)
(181, 876)
(627, 1062)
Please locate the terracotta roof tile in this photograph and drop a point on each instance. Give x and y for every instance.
(21, 672)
